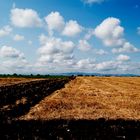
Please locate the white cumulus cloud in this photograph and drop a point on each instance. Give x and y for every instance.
(107, 65)
(110, 32)
(122, 57)
(55, 21)
(101, 52)
(83, 45)
(6, 30)
(72, 28)
(127, 47)
(10, 52)
(55, 50)
(14, 61)
(86, 64)
(25, 18)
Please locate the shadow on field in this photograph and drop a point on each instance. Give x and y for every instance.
(16, 100)
(71, 130)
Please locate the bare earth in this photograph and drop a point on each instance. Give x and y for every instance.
(11, 81)
(91, 98)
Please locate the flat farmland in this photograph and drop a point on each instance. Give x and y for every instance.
(73, 108)
(91, 98)
(11, 81)
(17, 95)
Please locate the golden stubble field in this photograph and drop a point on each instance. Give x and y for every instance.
(91, 98)
(12, 81)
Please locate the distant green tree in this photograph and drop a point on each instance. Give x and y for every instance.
(15, 75)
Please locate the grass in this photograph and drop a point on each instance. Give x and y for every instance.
(91, 98)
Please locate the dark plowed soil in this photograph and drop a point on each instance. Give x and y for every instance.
(17, 99)
(71, 130)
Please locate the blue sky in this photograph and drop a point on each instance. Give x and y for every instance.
(70, 36)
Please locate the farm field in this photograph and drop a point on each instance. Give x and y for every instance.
(91, 98)
(71, 108)
(17, 95)
(10, 81)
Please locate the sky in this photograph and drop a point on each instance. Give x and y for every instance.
(60, 36)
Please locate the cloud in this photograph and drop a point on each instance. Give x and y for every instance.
(66, 46)
(15, 65)
(43, 39)
(122, 57)
(86, 64)
(25, 18)
(48, 45)
(83, 45)
(54, 45)
(6, 30)
(55, 50)
(110, 32)
(101, 52)
(127, 47)
(18, 37)
(72, 28)
(90, 65)
(93, 1)
(55, 21)
(13, 61)
(89, 34)
(138, 30)
(10, 52)
(107, 65)
(120, 66)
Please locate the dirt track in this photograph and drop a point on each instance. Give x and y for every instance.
(91, 98)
